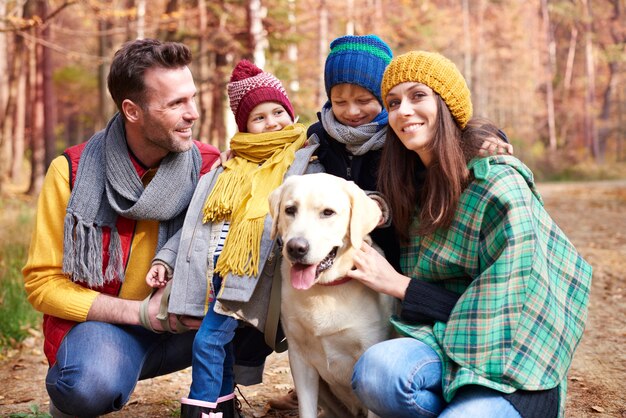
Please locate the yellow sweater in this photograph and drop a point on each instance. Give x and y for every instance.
(48, 289)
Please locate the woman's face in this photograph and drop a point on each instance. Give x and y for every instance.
(413, 116)
(352, 105)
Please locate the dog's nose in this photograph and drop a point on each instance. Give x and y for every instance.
(297, 248)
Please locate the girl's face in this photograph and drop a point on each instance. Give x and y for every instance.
(413, 116)
(353, 105)
(268, 117)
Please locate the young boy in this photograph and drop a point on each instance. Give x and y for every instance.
(224, 250)
(352, 129)
(352, 125)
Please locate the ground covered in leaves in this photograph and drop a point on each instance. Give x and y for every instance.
(593, 215)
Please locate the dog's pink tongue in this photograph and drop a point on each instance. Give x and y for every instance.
(302, 276)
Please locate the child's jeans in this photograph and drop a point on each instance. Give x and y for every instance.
(213, 359)
(402, 378)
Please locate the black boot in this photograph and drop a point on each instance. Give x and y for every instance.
(229, 408)
(194, 409)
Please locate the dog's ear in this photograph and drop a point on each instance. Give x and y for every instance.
(274, 201)
(365, 214)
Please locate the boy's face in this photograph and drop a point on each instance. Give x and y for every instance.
(353, 105)
(268, 117)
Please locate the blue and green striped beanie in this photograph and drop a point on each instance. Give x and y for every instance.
(359, 60)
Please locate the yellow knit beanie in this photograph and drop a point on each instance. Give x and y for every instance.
(438, 73)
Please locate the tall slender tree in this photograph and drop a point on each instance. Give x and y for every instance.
(35, 88)
(549, 67)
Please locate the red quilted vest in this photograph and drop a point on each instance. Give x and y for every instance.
(54, 328)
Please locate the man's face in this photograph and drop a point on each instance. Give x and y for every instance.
(170, 109)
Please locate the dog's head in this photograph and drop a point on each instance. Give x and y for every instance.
(321, 219)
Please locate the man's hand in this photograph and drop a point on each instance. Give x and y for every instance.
(114, 310)
(153, 310)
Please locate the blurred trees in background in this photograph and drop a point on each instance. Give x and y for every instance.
(549, 72)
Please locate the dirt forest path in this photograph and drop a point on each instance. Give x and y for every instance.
(592, 214)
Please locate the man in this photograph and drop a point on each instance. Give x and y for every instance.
(105, 208)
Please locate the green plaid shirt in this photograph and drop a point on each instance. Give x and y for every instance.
(523, 306)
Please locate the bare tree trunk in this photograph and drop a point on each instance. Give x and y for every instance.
(256, 33)
(48, 93)
(350, 18)
(467, 44)
(218, 127)
(104, 48)
(549, 74)
(37, 118)
(205, 93)
(478, 75)
(4, 74)
(571, 54)
(618, 36)
(322, 52)
(19, 126)
(567, 83)
(606, 127)
(292, 50)
(590, 129)
(167, 31)
(621, 155)
(141, 19)
(4, 101)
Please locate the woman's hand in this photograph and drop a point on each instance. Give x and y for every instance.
(374, 271)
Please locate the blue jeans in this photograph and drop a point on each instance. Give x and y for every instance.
(99, 364)
(402, 378)
(213, 358)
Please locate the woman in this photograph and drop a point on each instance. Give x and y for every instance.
(495, 297)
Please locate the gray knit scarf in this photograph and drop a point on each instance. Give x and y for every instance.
(107, 186)
(359, 140)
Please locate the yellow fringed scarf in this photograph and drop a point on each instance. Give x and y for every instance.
(241, 192)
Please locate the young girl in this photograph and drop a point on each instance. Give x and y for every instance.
(494, 299)
(224, 250)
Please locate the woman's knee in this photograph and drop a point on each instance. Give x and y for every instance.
(377, 369)
(370, 369)
(401, 360)
(400, 377)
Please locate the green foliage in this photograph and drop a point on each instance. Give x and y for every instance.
(16, 314)
(35, 412)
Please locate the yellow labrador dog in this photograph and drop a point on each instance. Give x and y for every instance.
(329, 321)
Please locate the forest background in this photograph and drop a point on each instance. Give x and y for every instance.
(550, 73)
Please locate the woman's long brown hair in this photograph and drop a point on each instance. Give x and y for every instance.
(437, 195)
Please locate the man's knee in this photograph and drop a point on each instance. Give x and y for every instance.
(88, 392)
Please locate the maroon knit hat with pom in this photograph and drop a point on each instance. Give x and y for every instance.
(250, 86)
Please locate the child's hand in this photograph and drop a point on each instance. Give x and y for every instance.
(224, 157)
(157, 276)
(495, 146)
